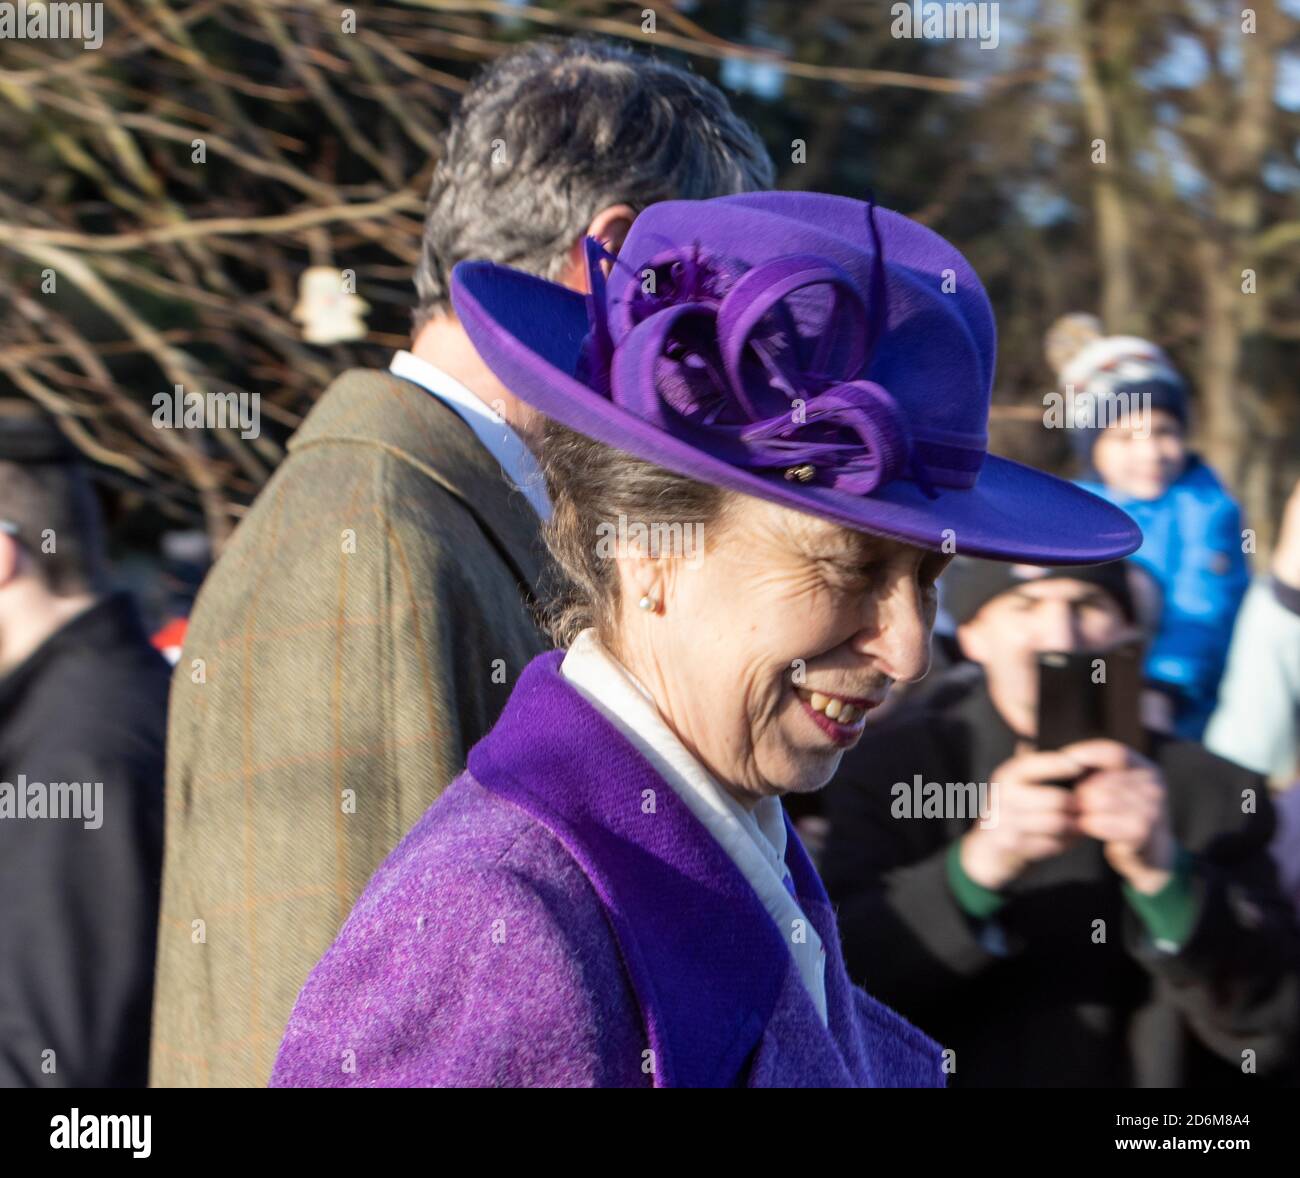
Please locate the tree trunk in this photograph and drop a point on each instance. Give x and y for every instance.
(1120, 308)
(1235, 349)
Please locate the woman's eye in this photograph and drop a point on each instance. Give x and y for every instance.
(851, 576)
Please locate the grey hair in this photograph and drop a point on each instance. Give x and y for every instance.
(552, 133)
(591, 484)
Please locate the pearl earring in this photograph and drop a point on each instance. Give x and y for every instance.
(647, 602)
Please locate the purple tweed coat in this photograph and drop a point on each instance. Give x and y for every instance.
(559, 917)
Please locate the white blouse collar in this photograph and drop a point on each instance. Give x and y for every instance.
(754, 839)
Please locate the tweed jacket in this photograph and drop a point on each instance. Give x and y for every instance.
(359, 635)
(560, 917)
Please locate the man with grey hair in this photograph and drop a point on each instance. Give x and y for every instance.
(368, 619)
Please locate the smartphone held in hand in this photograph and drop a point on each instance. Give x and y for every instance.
(1091, 695)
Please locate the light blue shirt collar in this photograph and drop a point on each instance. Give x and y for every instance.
(501, 441)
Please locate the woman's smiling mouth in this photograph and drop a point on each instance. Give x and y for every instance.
(841, 717)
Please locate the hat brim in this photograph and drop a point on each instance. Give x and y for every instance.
(529, 331)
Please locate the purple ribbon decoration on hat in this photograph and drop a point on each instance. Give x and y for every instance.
(714, 355)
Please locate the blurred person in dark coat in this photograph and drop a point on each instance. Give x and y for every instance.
(83, 705)
(986, 934)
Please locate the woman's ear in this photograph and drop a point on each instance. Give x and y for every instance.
(642, 576)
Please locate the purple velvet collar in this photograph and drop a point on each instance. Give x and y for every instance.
(705, 959)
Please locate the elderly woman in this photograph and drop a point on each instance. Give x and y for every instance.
(767, 430)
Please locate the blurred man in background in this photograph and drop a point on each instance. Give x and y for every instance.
(370, 615)
(83, 705)
(1111, 919)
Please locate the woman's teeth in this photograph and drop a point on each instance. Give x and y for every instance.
(836, 709)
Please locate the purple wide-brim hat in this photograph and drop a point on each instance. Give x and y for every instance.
(811, 350)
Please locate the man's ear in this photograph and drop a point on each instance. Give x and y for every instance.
(609, 227)
(10, 554)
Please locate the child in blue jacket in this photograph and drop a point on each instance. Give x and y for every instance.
(1128, 407)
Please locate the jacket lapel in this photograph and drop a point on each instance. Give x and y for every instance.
(716, 983)
(706, 962)
(873, 1046)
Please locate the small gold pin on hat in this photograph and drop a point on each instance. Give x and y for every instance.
(803, 473)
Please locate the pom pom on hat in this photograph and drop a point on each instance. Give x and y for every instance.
(1068, 336)
(1100, 367)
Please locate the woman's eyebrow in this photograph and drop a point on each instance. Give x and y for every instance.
(861, 548)
(853, 558)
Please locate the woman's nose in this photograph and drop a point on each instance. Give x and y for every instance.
(897, 637)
